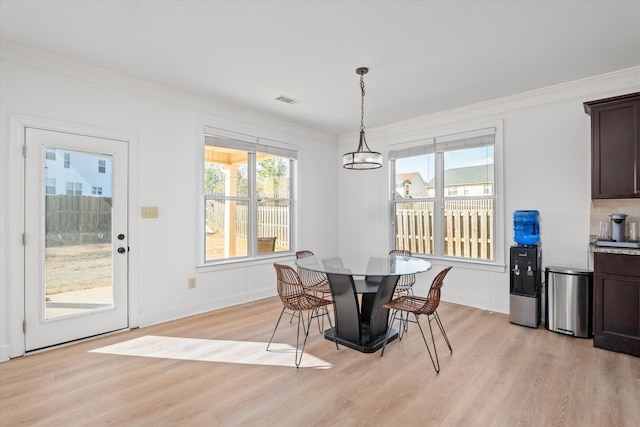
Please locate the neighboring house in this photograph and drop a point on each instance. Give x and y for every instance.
(410, 185)
(466, 181)
(77, 174)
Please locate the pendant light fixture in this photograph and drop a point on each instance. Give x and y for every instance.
(362, 158)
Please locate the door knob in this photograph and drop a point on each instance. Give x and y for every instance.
(121, 250)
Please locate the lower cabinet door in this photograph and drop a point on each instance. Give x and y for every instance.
(617, 309)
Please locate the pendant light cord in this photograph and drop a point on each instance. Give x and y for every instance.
(362, 102)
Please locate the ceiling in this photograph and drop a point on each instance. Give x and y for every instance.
(424, 56)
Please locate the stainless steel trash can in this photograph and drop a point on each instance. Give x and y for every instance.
(569, 301)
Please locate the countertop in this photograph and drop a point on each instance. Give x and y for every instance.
(608, 250)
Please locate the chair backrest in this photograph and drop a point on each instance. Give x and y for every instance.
(309, 278)
(433, 298)
(266, 244)
(401, 252)
(290, 288)
(406, 280)
(303, 254)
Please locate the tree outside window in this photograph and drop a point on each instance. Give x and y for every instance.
(241, 222)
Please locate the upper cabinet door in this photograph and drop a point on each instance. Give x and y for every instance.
(615, 147)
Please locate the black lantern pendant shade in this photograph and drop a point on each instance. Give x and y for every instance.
(363, 158)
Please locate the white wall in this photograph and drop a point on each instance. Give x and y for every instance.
(166, 127)
(546, 136)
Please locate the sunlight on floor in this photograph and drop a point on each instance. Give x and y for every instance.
(249, 353)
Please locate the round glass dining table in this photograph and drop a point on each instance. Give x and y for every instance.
(362, 323)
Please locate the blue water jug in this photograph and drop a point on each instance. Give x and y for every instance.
(526, 228)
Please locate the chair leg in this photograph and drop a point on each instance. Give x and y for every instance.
(403, 325)
(305, 330)
(293, 315)
(321, 327)
(306, 327)
(444, 334)
(404, 321)
(325, 312)
(318, 315)
(306, 335)
(274, 329)
(436, 362)
(386, 336)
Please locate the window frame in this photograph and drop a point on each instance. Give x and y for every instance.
(417, 147)
(251, 145)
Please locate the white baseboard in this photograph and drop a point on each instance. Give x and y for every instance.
(202, 307)
(473, 302)
(4, 352)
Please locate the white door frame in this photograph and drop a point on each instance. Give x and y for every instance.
(17, 225)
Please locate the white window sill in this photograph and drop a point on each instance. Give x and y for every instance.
(233, 264)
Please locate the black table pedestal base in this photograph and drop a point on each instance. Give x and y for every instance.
(365, 346)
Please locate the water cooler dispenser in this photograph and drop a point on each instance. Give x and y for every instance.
(525, 282)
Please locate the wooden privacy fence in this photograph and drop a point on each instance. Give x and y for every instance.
(77, 218)
(468, 229)
(468, 226)
(273, 221)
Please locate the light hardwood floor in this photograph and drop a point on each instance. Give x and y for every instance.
(498, 375)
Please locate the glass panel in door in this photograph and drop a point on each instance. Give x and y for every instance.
(78, 254)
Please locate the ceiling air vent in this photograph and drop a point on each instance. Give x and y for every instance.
(287, 99)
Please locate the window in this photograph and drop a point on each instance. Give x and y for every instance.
(102, 166)
(74, 189)
(440, 221)
(67, 160)
(50, 154)
(50, 186)
(96, 191)
(248, 196)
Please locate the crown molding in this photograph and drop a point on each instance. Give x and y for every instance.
(87, 74)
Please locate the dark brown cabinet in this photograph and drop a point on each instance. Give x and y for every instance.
(617, 302)
(615, 147)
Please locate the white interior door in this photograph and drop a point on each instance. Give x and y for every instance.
(76, 251)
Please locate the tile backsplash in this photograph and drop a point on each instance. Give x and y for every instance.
(601, 209)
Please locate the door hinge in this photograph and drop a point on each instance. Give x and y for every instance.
(24, 326)
(24, 151)
(24, 239)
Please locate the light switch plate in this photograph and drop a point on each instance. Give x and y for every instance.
(150, 212)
